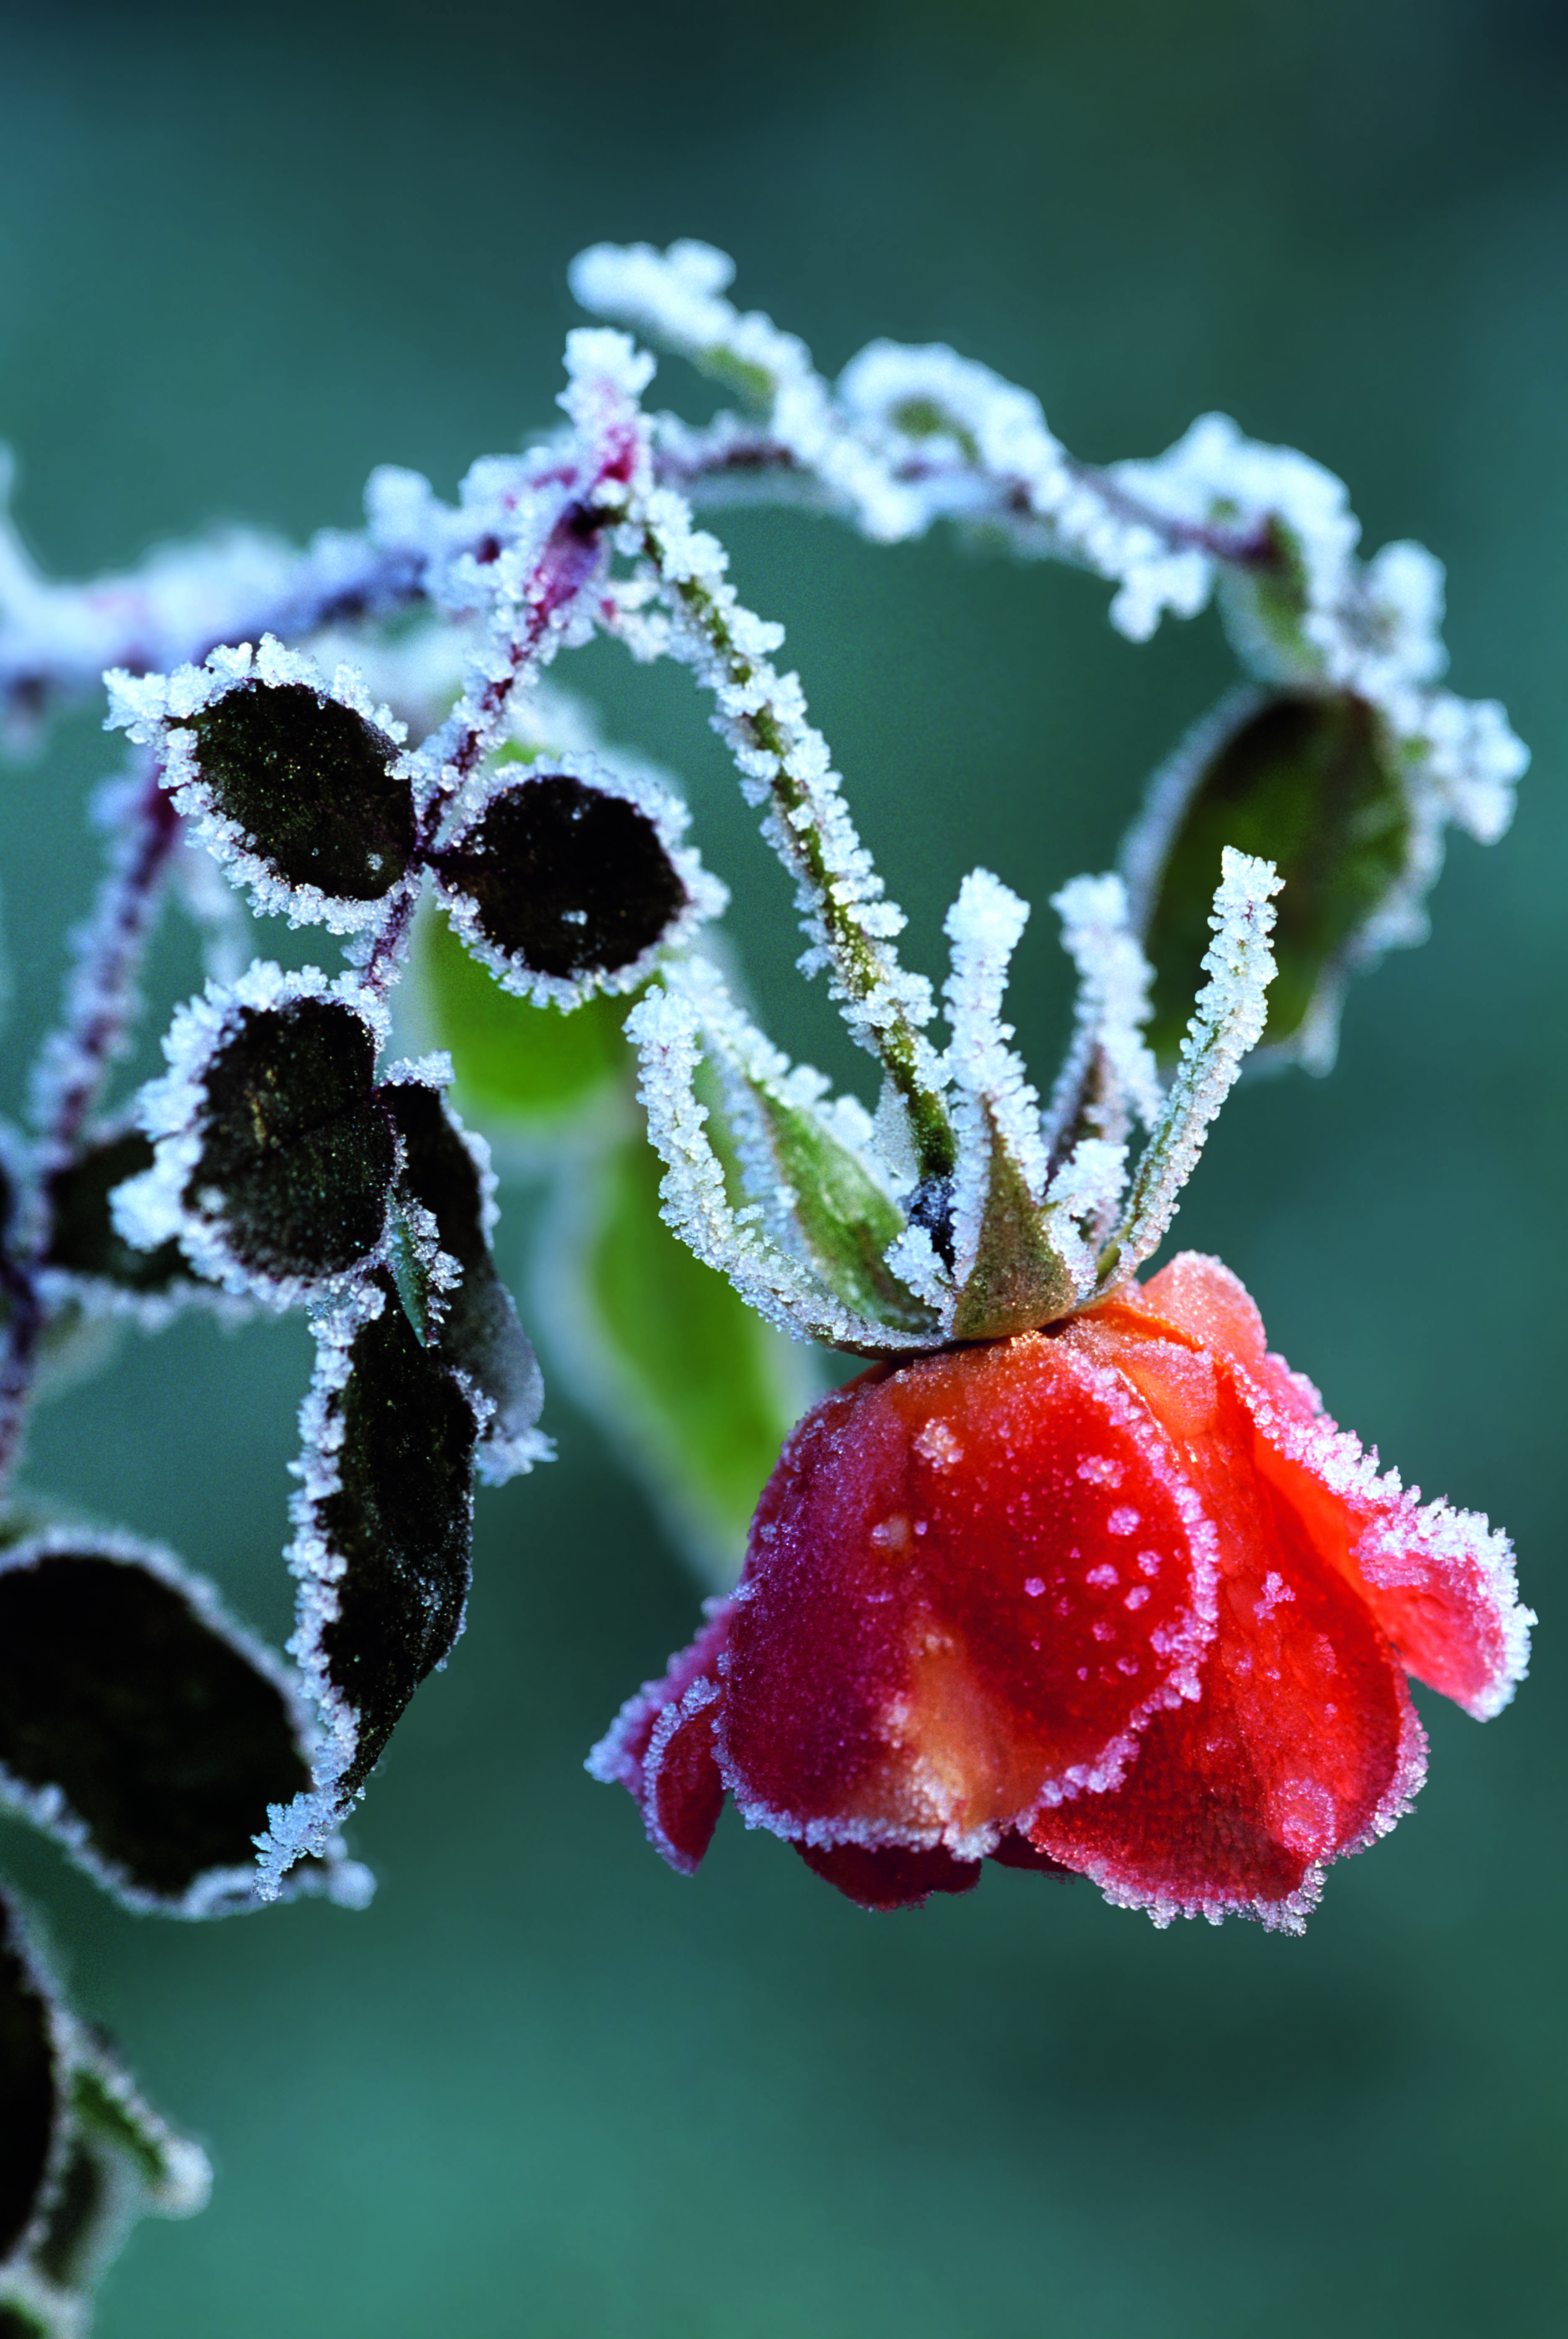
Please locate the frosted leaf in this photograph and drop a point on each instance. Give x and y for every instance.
(807, 1161)
(666, 1029)
(475, 1325)
(274, 1158)
(142, 1728)
(88, 1262)
(1227, 1021)
(1313, 781)
(572, 878)
(85, 2155)
(36, 2038)
(295, 784)
(1311, 613)
(383, 1521)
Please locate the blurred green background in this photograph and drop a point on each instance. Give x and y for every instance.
(544, 2086)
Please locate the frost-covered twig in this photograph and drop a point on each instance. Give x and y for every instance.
(785, 764)
(100, 1002)
(910, 436)
(143, 831)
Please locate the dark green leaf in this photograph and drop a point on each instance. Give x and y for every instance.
(31, 2084)
(565, 879)
(297, 1151)
(311, 785)
(480, 1331)
(137, 1726)
(1306, 781)
(82, 1238)
(400, 1523)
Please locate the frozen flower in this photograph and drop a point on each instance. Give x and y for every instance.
(1115, 1598)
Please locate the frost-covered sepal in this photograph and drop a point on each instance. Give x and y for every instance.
(807, 1161)
(144, 1729)
(382, 1533)
(297, 784)
(274, 1157)
(1017, 1258)
(789, 1290)
(84, 2156)
(1227, 1023)
(571, 878)
(473, 1321)
(1317, 782)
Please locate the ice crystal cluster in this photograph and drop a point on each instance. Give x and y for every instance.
(359, 738)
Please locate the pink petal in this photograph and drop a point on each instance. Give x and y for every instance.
(889, 1876)
(683, 1792)
(1440, 1583)
(970, 1582)
(659, 1747)
(1302, 1745)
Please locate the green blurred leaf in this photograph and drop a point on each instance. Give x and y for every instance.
(525, 1072)
(698, 1389)
(1306, 781)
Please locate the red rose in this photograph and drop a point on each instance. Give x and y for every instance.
(1116, 1597)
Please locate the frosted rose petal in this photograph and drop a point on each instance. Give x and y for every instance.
(1303, 1745)
(1439, 1581)
(889, 1876)
(683, 1791)
(618, 1759)
(970, 1582)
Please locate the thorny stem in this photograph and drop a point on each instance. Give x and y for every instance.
(573, 552)
(362, 581)
(702, 468)
(102, 997)
(860, 966)
(75, 1061)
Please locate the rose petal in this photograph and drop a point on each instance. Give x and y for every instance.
(1302, 1745)
(618, 1759)
(683, 1791)
(970, 1582)
(1439, 1581)
(889, 1876)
